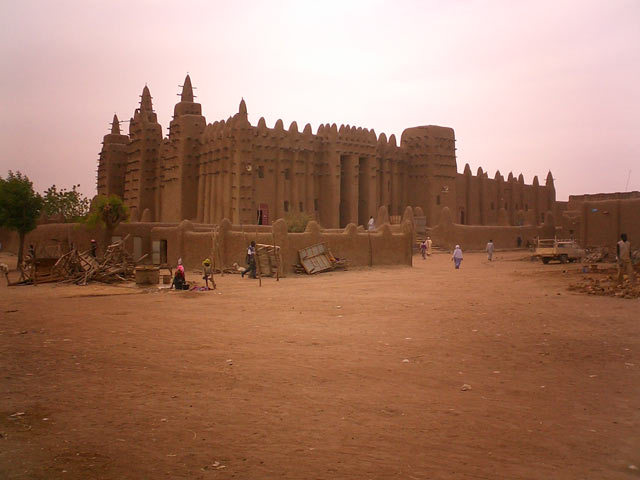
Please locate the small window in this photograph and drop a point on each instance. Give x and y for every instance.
(437, 199)
(389, 186)
(286, 206)
(287, 174)
(493, 207)
(526, 207)
(315, 204)
(260, 172)
(301, 206)
(506, 206)
(542, 217)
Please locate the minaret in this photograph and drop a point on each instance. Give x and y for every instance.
(187, 90)
(112, 163)
(551, 193)
(186, 105)
(183, 180)
(143, 154)
(145, 101)
(243, 208)
(115, 125)
(549, 181)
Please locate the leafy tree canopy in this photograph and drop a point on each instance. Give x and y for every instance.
(20, 206)
(107, 212)
(71, 204)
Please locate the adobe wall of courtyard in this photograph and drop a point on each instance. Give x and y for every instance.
(447, 234)
(227, 244)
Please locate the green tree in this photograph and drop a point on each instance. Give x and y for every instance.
(20, 206)
(107, 212)
(71, 204)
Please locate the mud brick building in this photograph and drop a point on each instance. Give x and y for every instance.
(338, 175)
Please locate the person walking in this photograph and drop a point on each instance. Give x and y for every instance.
(623, 257)
(423, 249)
(251, 261)
(429, 245)
(457, 256)
(490, 250)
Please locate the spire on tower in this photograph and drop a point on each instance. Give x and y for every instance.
(115, 125)
(243, 107)
(145, 102)
(549, 181)
(187, 90)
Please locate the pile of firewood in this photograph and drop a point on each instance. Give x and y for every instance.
(117, 265)
(77, 267)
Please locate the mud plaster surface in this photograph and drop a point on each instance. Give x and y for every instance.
(306, 378)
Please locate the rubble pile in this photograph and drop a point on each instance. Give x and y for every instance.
(605, 254)
(597, 255)
(117, 265)
(606, 286)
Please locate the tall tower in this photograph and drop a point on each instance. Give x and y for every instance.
(143, 153)
(112, 163)
(180, 182)
(431, 157)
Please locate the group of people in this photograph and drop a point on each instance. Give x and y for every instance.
(426, 248)
(623, 258)
(457, 254)
(456, 257)
(180, 283)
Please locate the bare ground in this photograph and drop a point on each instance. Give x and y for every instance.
(346, 375)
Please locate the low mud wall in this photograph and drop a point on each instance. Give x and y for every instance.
(475, 237)
(226, 244)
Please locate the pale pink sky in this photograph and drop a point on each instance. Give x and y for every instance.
(527, 86)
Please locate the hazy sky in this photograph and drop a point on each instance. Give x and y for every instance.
(528, 86)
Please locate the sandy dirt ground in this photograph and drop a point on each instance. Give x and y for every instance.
(345, 375)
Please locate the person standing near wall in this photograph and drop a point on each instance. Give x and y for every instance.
(490, 250)
(429, 245)
(624, 259)
(372, 224)
(457, 256)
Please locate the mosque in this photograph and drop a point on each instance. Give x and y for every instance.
(206, 172)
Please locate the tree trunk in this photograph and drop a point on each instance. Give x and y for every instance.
(108, 233)
(21, 236)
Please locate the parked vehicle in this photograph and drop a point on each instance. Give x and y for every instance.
(561, 250)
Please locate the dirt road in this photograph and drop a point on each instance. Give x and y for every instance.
(345, 375)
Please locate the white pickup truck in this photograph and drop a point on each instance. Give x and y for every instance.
(561, 250)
